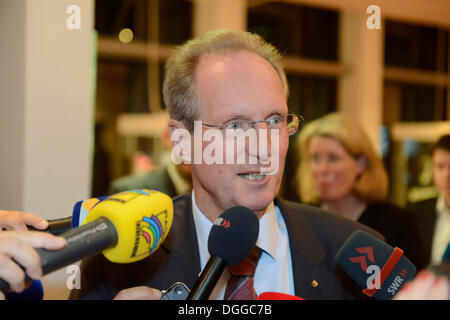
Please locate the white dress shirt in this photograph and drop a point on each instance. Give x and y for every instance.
(274, 269)
(441, 236)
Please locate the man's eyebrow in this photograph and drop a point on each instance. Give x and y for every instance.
(234, 116)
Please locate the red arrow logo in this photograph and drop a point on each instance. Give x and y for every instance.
(362, 259)
(368, 251)
(225, 224)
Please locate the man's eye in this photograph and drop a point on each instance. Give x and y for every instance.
(274, 121)
(233, 125)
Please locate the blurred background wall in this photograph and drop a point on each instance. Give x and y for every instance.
(80, 108)
(46, 111)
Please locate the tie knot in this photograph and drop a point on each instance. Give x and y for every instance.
(248, 266)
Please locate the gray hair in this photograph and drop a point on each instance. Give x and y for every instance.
(179, 88)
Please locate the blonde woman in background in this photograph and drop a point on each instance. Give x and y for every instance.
(341, 172)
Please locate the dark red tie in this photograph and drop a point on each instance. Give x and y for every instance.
(240, 285)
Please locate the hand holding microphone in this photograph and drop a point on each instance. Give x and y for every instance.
(17, 247)
(16, 244)
(126, 227)
(426, 286)
(19, 220)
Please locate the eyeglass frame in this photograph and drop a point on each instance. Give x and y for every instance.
(252, 124)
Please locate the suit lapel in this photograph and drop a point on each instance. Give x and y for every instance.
(307, 254)
(181, 243)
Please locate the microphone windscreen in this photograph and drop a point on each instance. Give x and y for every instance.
(142, 219)
(363, 255)
(277, 296)
(234, 234)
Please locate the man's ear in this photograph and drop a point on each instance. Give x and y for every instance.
(175, 124)
(181, 142)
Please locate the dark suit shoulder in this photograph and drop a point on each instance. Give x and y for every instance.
(423, 207)
(315, 236)
(323, 222)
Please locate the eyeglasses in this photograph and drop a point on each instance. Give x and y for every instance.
(291, 123)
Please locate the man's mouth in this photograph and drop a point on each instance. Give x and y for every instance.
(254, 176)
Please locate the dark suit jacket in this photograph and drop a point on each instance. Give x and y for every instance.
(398, 227)
(314, 238)
(424, 213)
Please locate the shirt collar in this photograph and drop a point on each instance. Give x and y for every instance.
(441, 207)
(266, 238)
(268, 226)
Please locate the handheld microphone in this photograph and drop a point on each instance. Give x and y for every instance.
(277, 296)
(231, 240)
(375, 265)
(126, 227)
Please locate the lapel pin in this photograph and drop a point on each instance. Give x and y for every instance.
(314, 284)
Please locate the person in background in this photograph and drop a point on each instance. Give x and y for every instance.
(170, 179)
(432, 216)
(340, 171)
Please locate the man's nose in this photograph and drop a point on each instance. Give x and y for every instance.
(264, 140)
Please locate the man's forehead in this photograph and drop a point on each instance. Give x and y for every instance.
(219, 62)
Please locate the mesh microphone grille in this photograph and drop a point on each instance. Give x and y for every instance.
(233, 235)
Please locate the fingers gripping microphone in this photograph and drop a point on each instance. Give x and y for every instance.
(375, 265)
(231, 240)
(126, 227)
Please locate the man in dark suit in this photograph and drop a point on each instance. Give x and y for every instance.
(432, 216)
(314, 238)
(232, 82)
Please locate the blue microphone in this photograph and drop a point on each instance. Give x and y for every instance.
(34, 292)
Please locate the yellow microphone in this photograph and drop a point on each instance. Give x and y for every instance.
(142, 219)
(125, 227)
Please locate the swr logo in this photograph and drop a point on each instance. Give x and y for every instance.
(225, 224)
(362, 259)
(221, 222)
(403, 273)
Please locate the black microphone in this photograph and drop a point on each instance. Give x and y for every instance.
(231, 240)
(374, 265)
(82, 242)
